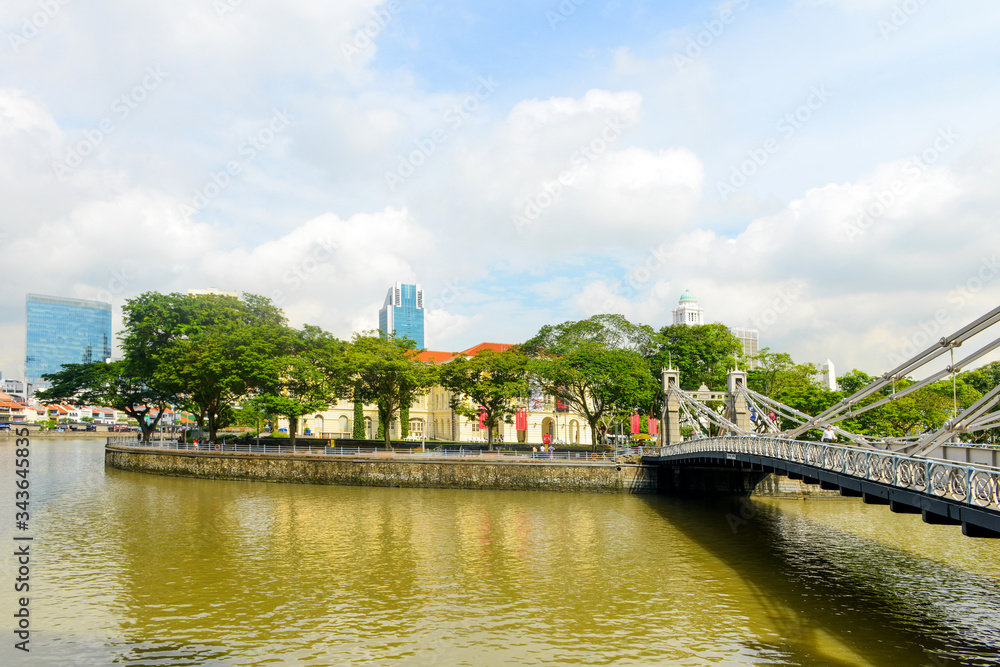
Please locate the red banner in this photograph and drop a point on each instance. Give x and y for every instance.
(482, 418)
(522, 419)
(653, 423)
(635, 424)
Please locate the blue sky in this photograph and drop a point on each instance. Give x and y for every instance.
(823, 169)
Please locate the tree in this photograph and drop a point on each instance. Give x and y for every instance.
(359, 417)
(305, 377)
(487, 383)
(777, 371)
(972, 385)
(404, 422)
(253, 413)
(983, 379)
(596, 366)
(703, 353)
(598, 383)
(387, 374)
(115, 384)
(854, 381)
(211, 350)
(604, 331)
(809, 398)
(913, 413)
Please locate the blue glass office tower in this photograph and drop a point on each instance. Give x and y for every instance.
(64, 331)
(403, 313)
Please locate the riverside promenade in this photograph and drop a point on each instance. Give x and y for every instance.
(416, 467)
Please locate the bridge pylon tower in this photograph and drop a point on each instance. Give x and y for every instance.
(736, 402)
(671, 407)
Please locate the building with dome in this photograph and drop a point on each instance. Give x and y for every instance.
(687, 311)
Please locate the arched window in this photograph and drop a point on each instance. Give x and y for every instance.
(344, 424)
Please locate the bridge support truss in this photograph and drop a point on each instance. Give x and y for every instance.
(941, 492)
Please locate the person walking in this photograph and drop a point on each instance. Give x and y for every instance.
(829, 435)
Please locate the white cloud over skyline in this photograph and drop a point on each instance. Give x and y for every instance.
(875, 211)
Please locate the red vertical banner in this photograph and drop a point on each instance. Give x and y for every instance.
(635, 424)
(653, 423)
(522, 419)
(482, 418)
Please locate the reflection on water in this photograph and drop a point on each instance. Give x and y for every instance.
(141, 569)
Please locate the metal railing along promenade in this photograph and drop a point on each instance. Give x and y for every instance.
(416, 453)
(973, 484)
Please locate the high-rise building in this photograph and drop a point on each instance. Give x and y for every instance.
(13, 388)
(829, 375)
(64, 331)
(402, 314)
(687, 311)
(750, 339)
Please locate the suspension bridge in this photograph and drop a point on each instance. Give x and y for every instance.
(740, 436)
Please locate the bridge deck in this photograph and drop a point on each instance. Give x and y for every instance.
(942, 492)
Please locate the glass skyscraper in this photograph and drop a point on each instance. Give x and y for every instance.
(64, 331)
(402, 315)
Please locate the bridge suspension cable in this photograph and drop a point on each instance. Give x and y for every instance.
(755, 399)
(694, 410)
(976, 418)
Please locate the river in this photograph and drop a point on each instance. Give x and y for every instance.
(129, 568)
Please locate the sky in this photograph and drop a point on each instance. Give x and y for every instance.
(825, 171)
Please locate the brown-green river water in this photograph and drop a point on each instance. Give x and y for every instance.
(138, 569)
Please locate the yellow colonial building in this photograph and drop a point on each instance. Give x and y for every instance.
(432, 418)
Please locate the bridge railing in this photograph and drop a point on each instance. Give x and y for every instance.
(976, 485)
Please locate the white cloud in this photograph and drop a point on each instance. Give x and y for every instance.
(857, 5)
(559, 110)
(446, 331)
(638, 138)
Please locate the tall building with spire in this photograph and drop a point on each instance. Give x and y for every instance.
(402, 314)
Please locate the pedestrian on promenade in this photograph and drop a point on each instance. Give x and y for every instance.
(829, 435)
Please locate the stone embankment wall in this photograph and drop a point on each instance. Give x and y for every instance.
(776, 486)
(533, 476)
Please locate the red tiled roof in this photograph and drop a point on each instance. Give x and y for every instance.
(496, 347)
(433, 356)
(436, 357)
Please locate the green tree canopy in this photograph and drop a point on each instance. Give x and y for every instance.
(776, 372)
(116, 384)
(307, 375)
(598, 367)
(211, 350)
(603, 331)
(703, 353)
(854, 381)
(491, 380)
(387, 374)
